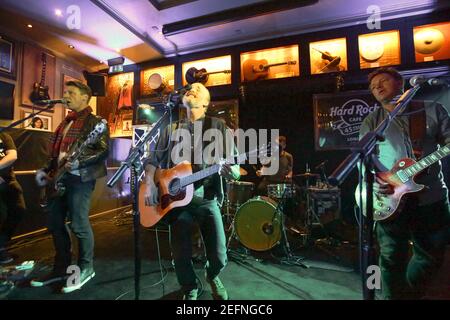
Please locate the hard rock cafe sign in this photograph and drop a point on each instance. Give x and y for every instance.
(338, 118)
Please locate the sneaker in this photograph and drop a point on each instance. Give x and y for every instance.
(5, 257)
(85, 276)
(218, 289)
(190, 295)
(48, 279)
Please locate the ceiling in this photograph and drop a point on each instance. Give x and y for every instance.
(142, 30)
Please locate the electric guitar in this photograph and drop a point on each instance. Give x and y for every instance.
(55, 187)
(175, 187)
(401, 178)
(194, 75)
(255, 69)
(40, 90)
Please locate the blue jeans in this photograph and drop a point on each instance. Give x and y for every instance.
(74, 206)
(207, 215)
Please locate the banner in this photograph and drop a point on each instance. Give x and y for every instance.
(338, 117)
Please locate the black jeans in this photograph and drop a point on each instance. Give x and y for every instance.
(73, 205)
(12, 209)
(428, 227)
(207, 215)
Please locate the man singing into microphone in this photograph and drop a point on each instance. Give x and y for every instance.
(208, 194)
(79, 183)
(425, 217)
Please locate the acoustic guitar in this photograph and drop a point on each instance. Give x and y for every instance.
(175, 187)
(401, 178)
(40, 90)
(194, 75)
(259, 69)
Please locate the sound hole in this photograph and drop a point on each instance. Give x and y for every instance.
(174, 187)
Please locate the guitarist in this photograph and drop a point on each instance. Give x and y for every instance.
(204, 208)
(425, 217)
(79, 182)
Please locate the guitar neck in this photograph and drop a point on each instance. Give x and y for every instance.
(214, 72)
(44, 65)
(427, 161)
(199, 175)
(267, 66)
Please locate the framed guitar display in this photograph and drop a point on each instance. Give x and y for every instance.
(281, 62)
(432, 42)
(379, 49)
(211, 72)
(119, 99)
(157, 81)
(328, 56)
(38, 76)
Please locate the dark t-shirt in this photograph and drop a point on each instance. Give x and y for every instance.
(6, 143)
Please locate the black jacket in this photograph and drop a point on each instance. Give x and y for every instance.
(92, 161)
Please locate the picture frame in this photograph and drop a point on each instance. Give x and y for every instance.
(6, 56)
(31, 124)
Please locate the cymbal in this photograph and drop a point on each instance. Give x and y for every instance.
(307, 175)
(243, 172)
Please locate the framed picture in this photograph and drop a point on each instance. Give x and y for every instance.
(6, 56)
(40, 122)
(328, 56)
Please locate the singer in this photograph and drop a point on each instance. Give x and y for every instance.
(425, 218)
(208, 194)
(78, 179)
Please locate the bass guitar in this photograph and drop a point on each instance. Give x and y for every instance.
(55, 186)
(401, 178)
(175, 187)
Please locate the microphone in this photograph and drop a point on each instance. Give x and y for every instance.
(421, 79)
(321, 165)
(54, 101)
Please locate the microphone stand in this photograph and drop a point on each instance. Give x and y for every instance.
(362, 153)
(32, 115)
(133, 162)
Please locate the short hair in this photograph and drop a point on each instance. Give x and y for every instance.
(281, 139)
(386, 70)
(84, 89)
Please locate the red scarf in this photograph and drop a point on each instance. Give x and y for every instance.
(57, 143)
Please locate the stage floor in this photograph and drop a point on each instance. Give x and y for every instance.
(331, 273)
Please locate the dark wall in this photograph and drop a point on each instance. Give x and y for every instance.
(32, 155)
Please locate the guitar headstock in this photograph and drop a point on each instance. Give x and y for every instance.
(97, 132)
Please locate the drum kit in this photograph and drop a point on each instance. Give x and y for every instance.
(259, 222)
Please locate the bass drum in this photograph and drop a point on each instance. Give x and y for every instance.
(257, 224)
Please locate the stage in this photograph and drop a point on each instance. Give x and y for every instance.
(331, 273)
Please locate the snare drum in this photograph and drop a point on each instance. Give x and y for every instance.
(258, 224)
(276, 191)
(238, 192)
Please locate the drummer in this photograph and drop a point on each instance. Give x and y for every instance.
(284, 173)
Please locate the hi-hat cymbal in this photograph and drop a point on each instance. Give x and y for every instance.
(307, 175)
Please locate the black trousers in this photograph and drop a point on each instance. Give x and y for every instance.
(428, 227)
(12, 210)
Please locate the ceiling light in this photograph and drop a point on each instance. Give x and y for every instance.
(58, 12)
(71, 46)
(29, 26)
(117, 50)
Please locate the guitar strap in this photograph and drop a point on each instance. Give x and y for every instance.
(417, 127)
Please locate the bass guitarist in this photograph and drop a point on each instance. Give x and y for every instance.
(79, 182)
(208, 194)
(424, 218)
